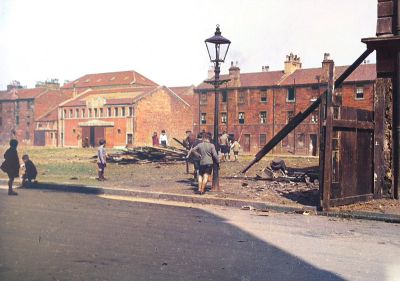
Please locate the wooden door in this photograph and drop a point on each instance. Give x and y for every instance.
(246, 143)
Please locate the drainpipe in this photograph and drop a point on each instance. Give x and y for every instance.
(273, 116)
(396, 111)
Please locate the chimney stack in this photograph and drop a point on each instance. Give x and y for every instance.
(265, 68)
(234, 75)
(292, 63)
(325, 67)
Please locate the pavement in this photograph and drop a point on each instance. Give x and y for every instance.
(209, 199)
(47, 235)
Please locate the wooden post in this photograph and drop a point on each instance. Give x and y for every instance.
(327, 180)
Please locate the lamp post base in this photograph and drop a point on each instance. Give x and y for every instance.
(215, 178)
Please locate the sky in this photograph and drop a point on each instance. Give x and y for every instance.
(164, 39)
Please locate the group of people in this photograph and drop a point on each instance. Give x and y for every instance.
(160, 141)
(204, 155)
(11, 167)
(226, 145)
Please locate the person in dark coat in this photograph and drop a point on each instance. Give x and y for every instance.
(30, 170)
(11, 165)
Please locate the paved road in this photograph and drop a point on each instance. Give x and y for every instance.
(66, 236)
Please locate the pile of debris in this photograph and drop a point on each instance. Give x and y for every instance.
(147, 154)
(280, 173)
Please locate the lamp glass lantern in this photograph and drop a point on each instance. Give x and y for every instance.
(217, 47)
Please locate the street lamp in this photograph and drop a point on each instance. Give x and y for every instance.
(217, 48)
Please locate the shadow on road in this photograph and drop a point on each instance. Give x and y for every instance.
(91, 238)
(66, 188)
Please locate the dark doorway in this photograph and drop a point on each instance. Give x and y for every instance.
(39, 138)
(246, 145)
(313, 140)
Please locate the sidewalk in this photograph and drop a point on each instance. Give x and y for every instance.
(213, 198)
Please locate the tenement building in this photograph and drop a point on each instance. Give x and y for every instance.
(255, 106)
(20, 108)
(124, 108)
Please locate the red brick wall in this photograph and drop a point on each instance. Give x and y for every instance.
(23, 131)
(277, 108)
(161, 111)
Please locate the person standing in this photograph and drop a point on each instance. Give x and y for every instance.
(11, 165)
(154, 139)
(101, 160)
(224, 142)
(163, 139)
(208, 156)
(235, 147)
(195, 157)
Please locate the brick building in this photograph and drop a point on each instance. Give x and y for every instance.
(20, 108)
(125, 108)
(255, 106)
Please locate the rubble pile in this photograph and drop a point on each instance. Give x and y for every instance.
(147, 154)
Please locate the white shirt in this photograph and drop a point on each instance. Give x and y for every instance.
(163, 137)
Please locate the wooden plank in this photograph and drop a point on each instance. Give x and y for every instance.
(353, 124)
(350, 200)
(364, 168)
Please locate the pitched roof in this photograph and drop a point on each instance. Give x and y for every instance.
(127, 78)
(253, 79)
(52, 115)
(364, 72)
(110, 96)
(16, 94)
(185, 93)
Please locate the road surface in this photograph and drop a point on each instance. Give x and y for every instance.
(47, 235)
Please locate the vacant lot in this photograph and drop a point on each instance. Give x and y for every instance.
(78, 166)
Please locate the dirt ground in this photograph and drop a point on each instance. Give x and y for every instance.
(78, 166)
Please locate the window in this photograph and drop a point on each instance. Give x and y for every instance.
(359, 93)
(203, 118)
(130, 111)
(115, 111)
(70, 113)
(83, 113)
(224, 117)
(17, 105)
(314, 118)
(65, 113)
(77, 113)
(263, 96)
(291, 95)
(109, 112)
(290, 115)
(90, 113)
(129, 138)
(29, 105)
(27, 135)
(95, 112)
(224, 96)
(263, 117)
(242, 97)
(119, 131)
(203, 98)
(52, 135)
(263, 139)
(241, 117)
(101, 112)
(123, 111)
(74, 130)
(17, 120)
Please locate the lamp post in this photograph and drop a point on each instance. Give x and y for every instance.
(217, 48)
